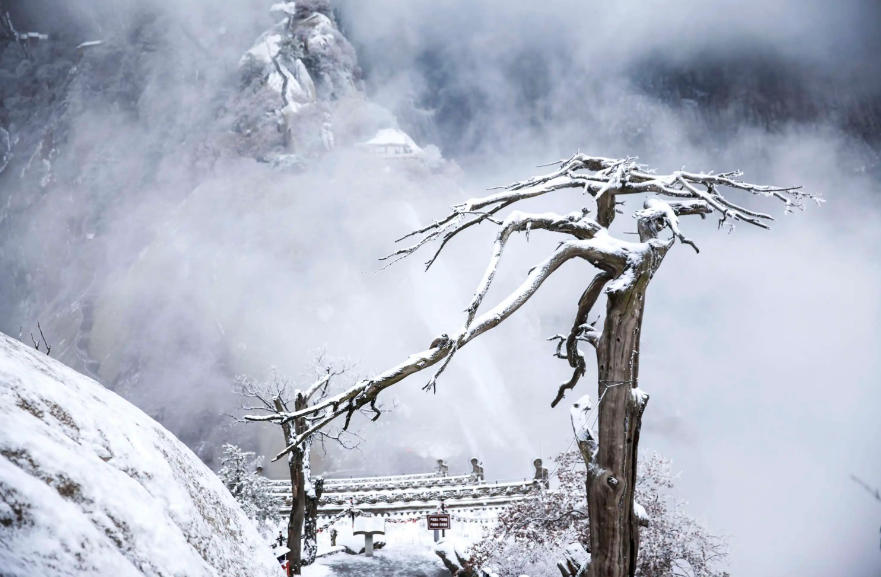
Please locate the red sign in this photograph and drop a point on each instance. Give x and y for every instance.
(438, 521)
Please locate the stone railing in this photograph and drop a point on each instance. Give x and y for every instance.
(416, 494)
(473, 492)
(361, 486)
(438, 478)
(415, 500)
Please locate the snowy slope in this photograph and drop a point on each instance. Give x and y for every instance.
(90, 485)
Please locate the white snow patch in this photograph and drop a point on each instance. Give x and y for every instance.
(316, 571)
(264, 50)
(282, 8)
(90, 485)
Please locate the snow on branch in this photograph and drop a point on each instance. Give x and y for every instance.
(605, 176)
(274, 397)
(602, 250)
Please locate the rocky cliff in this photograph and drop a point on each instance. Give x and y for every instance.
(90, 485)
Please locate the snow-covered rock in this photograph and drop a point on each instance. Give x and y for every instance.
(304, 57)
(90, 485)
(283, 9)
(575, 559)
(450, 554)
(294, 77)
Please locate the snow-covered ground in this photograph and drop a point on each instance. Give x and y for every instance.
(409, 549)
(401, 560)
(90, 485)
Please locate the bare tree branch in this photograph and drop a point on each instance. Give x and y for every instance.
(581, 331)
(602, 251)
(48, 348)
(873, 492)
(612, 177)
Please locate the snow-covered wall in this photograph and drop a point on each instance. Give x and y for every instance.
(90, 485)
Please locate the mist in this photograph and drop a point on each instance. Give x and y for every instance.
(164, 259)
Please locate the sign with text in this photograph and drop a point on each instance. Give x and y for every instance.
(438, 521)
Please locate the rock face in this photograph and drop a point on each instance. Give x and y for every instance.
(95, 132)
(295, 76)
(90, 485)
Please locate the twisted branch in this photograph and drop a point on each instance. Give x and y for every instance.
(611, 177)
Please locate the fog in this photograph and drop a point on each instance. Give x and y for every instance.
(760, 353)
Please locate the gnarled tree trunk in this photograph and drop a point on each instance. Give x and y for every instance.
(310, 531)
(611, 478)
(298, 501)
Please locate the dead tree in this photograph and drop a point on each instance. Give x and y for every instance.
(35, 341)
(625, 269)
(278, 398)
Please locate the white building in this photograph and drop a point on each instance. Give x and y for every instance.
(392, 143)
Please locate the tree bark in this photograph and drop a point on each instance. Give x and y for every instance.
(298, 501)
(310, 531)
(611, 478)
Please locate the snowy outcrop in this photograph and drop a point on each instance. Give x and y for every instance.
(304, 57)
(281, 71)
(449, 554)
(456, 562)
(90, 485)
(296, 75)
(575, 561)
(302, 97)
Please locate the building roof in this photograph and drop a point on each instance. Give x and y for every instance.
(393, 137)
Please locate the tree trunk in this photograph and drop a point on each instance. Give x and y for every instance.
(611, 477)
(310, 532)
(295, 522)
(298, 502)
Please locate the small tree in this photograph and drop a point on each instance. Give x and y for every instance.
(239, 472)
(278, 398)
(533, 534)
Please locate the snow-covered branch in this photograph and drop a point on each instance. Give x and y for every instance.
(602, 177)
(657, 215)
(576, 224)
